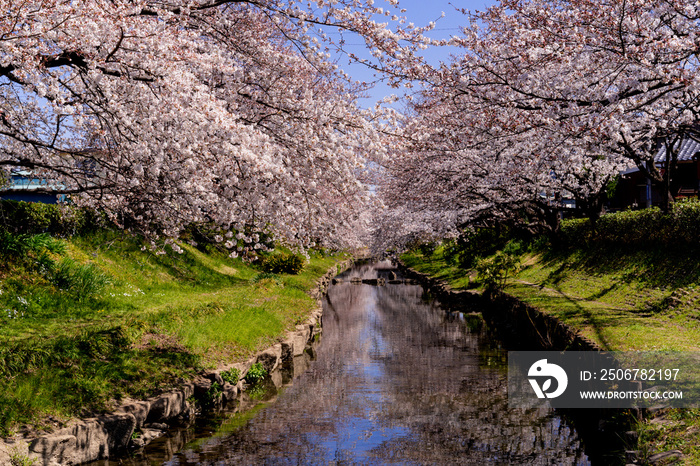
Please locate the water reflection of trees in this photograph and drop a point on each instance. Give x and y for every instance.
(395, 381)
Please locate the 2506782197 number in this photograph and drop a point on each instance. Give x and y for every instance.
(638, 374)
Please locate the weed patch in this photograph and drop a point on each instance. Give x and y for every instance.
(256, 374)
(17, 458)
(282, 263)
(231, 376)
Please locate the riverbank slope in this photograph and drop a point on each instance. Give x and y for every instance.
(98, 319)
(631, 298)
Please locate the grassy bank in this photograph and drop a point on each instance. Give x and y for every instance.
(635, 297)
(107, 319)
(623, 299)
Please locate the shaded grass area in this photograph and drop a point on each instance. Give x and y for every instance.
(160, 318)
(623, 298)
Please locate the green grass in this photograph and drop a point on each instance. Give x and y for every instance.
(436, 265)
(632, 299)
(623, 298)
(678, 430)
(18, 458)
(157, 318)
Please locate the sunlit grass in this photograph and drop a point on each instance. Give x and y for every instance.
(436, 265)
(173, 314)
(620, 301)
(679, 431)
(610, 326)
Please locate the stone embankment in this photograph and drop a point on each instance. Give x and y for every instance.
(108, 436)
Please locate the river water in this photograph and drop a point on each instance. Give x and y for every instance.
(395, 380)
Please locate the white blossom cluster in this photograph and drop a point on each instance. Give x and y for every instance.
(167, 113)
(230, 112)
(550, 99)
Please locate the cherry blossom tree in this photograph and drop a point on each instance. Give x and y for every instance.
(167, 113)
(550, 98)
(621, 75)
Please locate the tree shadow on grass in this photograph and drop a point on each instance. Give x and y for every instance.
(659, 266)
(604, 291)
(590, 319)
(570, 311)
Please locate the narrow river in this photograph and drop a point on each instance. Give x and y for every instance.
(396, 380)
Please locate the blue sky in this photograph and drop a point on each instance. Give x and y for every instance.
(420, 12)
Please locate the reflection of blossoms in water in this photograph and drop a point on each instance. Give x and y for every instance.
(396, 380)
